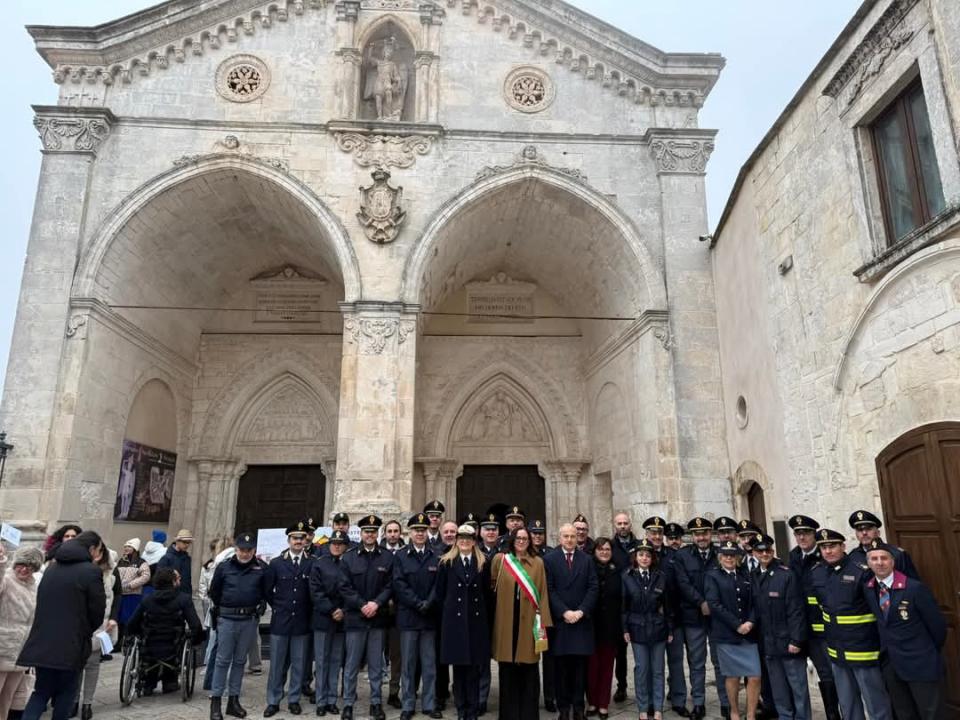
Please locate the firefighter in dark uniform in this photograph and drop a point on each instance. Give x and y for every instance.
(434, 511)
(288, 592)
(238, 592)
(867, 527)
(538, 544)
(489, 529)
(782, 621)
(803, 558)
(853, 641)
(414, 580)
(369, 573)
(912, 634)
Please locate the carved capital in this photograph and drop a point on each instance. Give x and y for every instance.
(77, 326)
(424, 58)
(681, 155)
(564, 470)
(384, 150)
(439, 468)
(371, 334)
(72, 130)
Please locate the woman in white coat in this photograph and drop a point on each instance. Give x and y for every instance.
(18, 601)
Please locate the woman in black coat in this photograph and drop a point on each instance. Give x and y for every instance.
(607, 629)
(160, 619)
(647, 624)
(464, 594)
(71, 604)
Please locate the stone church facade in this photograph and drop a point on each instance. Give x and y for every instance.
(359, 254)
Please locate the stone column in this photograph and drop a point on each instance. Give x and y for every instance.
(680, 158)
(215, 513)
(562, 478)
(351, 59)
(71, 137)
(428, 62)
(330, 482)
(439, 475)
(375, 443)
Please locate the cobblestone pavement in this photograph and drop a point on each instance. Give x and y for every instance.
(107, 701)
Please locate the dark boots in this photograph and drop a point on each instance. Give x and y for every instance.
(831, 701)
(86, 712)
(234, 708)
(215, 712)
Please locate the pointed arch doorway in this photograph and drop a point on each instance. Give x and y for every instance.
(484, 489)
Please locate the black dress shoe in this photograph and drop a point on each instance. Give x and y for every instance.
(376, 713)
(295, 708)
(333, 709)
(86, 712)
(215, 712)
(681, 710)
(394, 702)
(347, 713)
(74, 711)
(271, 710)
(321, 710)
(234, 707)
(699, 712)
(550, 705)
(406, 715)
(436, 714)
(620, 695)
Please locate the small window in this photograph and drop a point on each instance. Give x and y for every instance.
(907, 165)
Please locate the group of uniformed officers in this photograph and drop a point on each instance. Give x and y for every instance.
(870, 627)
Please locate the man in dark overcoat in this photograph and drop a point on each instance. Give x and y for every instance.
(572, 588)
(288, 592)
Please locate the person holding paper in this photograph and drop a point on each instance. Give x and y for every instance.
(18, 601)
(101, 643)
(520, 624)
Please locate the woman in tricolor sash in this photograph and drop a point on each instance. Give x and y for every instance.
(520, 622)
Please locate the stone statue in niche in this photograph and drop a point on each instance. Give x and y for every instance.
(386, 79)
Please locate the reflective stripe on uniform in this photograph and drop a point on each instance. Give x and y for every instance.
(811, 600)
(855, 656)
(855, 619)
(826, 618)
(817, 628)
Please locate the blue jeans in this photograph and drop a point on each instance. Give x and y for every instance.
(648, 659)
(328, 654)
(286, 650)
(363, 643)
(234, 638)
(419, 646)
(675, 679)
(859, 687)
(57, 685)
(788, 681)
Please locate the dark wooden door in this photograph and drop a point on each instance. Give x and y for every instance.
(757, 506)
(494, 488)
(276, 496)
(920, 490)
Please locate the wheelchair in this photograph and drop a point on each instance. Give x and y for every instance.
(136, 668)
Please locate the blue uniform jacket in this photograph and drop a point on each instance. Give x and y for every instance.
(802, 568)
(573, 588)
(731, 604)
(238, 586)
(645, 614)
(326, 593)
(414, 588)
(369, 576)
(288, 592)
(690, 569)
(781, 614)
(901, 560)
(465, 599)
(913, 632)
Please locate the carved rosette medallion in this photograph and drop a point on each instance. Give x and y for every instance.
(529, 89)
(383, 150)
(242, 78)
(681, 155)
(380, 213)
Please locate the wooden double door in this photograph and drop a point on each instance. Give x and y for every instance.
(495, 488)
(920, 488)
(276, 496)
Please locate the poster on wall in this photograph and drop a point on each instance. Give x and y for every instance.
(145, 487)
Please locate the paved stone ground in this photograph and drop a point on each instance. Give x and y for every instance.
(107, 702)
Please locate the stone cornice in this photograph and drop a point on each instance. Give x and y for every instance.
(681, 151)
(656, 320)
(72, 129)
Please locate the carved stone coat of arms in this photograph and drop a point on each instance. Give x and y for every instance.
(380, 211)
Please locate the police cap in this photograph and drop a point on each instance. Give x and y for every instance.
(878, 544)
(581, 518)
(724, 523)
(470, 519)
(863, 518)
(245, 541)
(298, 528)
(311, 526)
(803, 522)
(673, 530)
(762, 542)
(825, 536)
(434, 507)
(729, 548)
(490, 521)
(537, 526)
(340, 517)
(371, 522)
(418, 522)
(746, 527)
(654, 523)
(339, 536)
(466, 531)
(645, 546)
(700, 523)
(515, 512)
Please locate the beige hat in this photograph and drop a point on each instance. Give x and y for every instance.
(184, 536)
(466, 531)
(133, 543)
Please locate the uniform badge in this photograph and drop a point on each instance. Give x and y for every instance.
(904, 612)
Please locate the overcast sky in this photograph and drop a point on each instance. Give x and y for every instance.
(770, 48)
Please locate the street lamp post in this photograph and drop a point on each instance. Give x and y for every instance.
(5, 448)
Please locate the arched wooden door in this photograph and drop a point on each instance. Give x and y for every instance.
(920, 489)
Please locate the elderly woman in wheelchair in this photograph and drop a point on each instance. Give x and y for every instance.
(164, 623)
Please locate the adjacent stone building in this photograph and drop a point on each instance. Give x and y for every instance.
(301, 255)
(837, 274)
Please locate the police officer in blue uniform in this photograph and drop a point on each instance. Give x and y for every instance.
(434, 511)
(803, 558)
(414, 587)
(326, 599)
(238, 592)
(782, 621)
(867, 527)
(690, 566)
(853, 641)
(674, 535)
(369, 573)
(489, 545)
(514, 518)
(288, 592)
(340, 523)
(912, 634)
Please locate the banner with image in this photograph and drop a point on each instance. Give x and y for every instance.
(145, 486)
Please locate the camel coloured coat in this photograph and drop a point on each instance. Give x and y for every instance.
(504, 587)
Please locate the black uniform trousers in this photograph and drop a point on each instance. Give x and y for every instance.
(621, 665)
(571, 681)
(914, 700)
(519, 691)
(549, 675)
(466, 690)
(442, 692)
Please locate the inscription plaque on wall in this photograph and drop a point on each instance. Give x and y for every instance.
(288, 295)
(500, 300)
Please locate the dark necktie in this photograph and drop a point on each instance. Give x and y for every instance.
(644, 576)
(569, 561)
(296, 562)
(703, 554)
(884, 592)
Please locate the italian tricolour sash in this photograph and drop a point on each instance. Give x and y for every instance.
(519, 574)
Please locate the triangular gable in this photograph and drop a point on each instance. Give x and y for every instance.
(150, 40)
